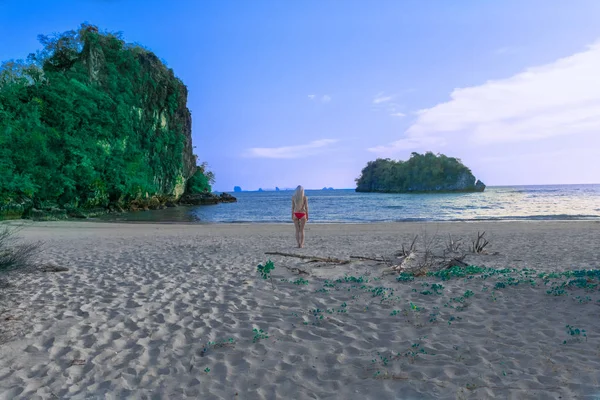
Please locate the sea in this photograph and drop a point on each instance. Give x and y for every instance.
(503, 203)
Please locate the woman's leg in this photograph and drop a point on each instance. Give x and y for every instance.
(297, 226)
(301, 240)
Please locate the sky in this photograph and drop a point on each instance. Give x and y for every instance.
(287, 93)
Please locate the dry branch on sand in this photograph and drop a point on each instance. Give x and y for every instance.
(452, 246)
(479, 244)
(418, 258)
(331, 260)
(406, 251)
(52, 268)
(362, 258)
(298, 270)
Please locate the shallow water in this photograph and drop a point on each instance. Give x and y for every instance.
(548, 202)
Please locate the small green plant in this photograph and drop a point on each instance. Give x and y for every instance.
(383, 359)
(405, 277)
(437, 288)
(216, 345)
(258, 335)
(265, 271)
(576, 333)
(344, 308)
(415, 350)
(207, 370)
(583, 300)
(300, 281)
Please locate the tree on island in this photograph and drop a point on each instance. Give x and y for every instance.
(421, 173)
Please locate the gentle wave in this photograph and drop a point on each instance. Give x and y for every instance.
(512, 218)
(535, 203)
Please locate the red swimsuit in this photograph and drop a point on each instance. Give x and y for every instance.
(299, 215)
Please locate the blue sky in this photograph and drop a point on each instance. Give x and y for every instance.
(306, 92)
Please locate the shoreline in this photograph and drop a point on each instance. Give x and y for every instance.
(177, 310)
(27, 222)
(90, 222)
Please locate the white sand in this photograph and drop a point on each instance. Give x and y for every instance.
(133, 315)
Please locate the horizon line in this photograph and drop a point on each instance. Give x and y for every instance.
(353, 188)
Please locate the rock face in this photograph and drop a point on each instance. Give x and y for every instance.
(202, 199)
(465, 182)
(130, 131)
(227, 198)
(479, 186)
(237, 189)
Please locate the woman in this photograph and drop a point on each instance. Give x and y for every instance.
(299, 214)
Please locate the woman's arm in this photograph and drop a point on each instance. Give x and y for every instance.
(292, 209)
(306, 206)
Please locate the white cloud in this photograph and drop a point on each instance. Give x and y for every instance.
(398, 114)
(381, 98)
(557, 99)
(311, 96)
(326, 98)
(298, 151)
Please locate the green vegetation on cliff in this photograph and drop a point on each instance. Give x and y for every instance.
(421, 173)
(92, 122)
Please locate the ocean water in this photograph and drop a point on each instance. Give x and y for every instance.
(548, 202)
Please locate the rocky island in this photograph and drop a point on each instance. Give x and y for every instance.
(91, 124)
(422, 173)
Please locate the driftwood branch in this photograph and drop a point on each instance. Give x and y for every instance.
(298, 271)
(479, 245)
(52, 268)
(405, 252)
(457, 262)
(332, 260)
(378, 259)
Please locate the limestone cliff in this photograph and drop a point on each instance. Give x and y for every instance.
(93, 123)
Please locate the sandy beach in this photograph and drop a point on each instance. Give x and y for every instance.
(149, 311)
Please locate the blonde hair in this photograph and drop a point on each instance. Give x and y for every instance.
(298, 196)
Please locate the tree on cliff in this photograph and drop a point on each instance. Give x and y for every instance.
(421, 173)
(201, 181)
(91, 120)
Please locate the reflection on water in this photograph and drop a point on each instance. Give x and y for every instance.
(174, 214)
(502, 203)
